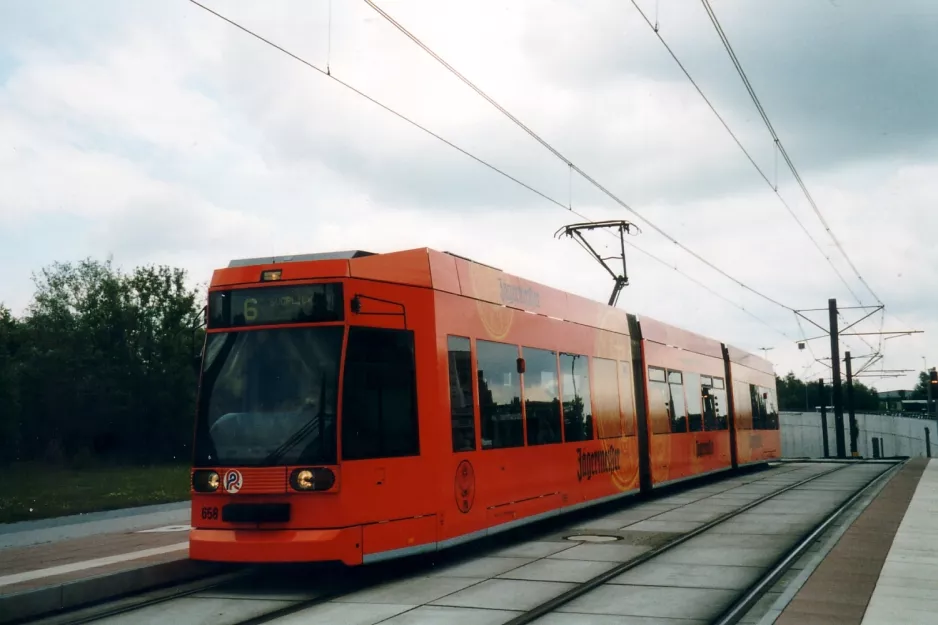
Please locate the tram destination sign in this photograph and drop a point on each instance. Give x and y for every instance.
(305, 303)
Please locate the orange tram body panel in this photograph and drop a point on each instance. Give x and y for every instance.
(360, 407)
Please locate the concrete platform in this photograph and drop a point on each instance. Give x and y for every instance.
(62, 563)
(879, 567)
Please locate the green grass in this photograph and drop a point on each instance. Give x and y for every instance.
(34, 491)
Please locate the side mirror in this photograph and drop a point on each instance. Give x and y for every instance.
(356, 304)
(520, 365)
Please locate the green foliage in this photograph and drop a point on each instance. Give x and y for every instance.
(791, 395)
(921, 389)
(99, 368)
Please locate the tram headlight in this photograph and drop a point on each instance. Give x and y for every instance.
(312, 479)
(205, 481)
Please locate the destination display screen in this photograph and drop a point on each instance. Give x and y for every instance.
(306, 303)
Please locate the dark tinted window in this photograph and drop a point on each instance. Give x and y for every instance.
(694, 402)
(269, 397)
(659, 401)
(772, 410)
(460, 394)
(379, 396)
(626, 398)
(763, 400)
(541, 396)
(678, 414)
(721, 405)
(575, 389)
(742, 401)
(709, 405)
(758, 407)
(304, 303)
(499, 395)
(606, 398)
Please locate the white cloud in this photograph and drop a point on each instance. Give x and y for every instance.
(181, 140)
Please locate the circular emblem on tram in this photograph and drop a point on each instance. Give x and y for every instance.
(465, 486)
(233, 481)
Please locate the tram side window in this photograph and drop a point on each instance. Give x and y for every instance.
(694, 402)
(626, 398)
(758, 407)
(499, 395)
(575, 390)
(541, 396)
(709, 405)
(460, 394)
(678, 416)
(379, 397)
(659, 401)
(742, 402)
(720, 404)
(606, 398)
(765, 400)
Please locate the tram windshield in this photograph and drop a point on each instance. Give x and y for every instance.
(269, 397)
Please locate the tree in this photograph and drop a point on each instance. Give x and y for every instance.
(10, 413)
(791, 394)
(921, 389)
(104, 366)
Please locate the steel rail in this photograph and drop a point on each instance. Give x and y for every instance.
(738, 610)
(591, 584)
(106, 608)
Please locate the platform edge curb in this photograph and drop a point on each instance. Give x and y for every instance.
(31, 604)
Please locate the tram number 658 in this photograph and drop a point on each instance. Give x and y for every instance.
(209, 514)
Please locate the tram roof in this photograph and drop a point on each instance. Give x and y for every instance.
(452, 273)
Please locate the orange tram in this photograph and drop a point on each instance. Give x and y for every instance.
(360, 407)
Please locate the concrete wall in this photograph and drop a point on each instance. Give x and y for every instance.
(902, 436)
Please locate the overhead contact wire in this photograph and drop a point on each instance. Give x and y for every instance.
(569, 163)
(781, 147)
(742, 148)
(566, 207)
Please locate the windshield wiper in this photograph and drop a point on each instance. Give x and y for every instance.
(301, 433)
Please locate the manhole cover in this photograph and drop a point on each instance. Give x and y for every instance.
(593, 538)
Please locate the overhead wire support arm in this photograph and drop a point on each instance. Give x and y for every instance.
(575, 231)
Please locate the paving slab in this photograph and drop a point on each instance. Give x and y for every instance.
(653, 601)
(689, 576)
(484, 567)
(534, 549)
(601, 553)
(192, 610)
(411, 591)
(436, 615)
(655, 525)
(838, 590)
(555, 570)
(505, 594)
(560, 618)
(331, 613)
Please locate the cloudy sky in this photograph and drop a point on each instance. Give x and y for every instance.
(156, 133)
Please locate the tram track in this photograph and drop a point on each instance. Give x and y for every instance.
(583, 588)
(231, 586)
(741, 607)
